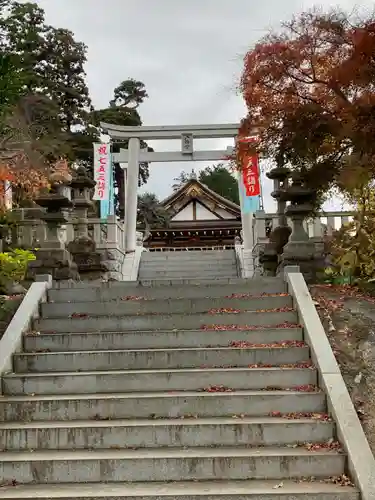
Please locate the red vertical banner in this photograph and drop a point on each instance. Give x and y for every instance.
(250, 170)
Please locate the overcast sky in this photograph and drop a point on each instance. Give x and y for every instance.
(187, 52)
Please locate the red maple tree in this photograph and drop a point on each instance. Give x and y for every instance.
(310, 94)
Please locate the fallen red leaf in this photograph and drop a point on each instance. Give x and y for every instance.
(342, 480)
(230, 310)
(222, 310)
(329, 445)
(289, 365)
(276, 309)
(347, 291)
(250, 295)
(298, 388)
(132, 297)
(306, 388)
(324, 417)
(79, 315)
(243, 344)
(287, 324)
(275, 414)
(217, 388)
(328, 305)
(307, 364)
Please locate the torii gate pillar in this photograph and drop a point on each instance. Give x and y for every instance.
(131, 189)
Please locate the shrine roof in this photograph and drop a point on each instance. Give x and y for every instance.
(194, 189)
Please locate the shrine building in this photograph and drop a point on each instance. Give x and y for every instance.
(199, 218)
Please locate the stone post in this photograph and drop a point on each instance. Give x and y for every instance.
(300, 249)
(131, 198)
(319, 244)
(83, 247)
(52, 257)
(280, 233)
(260, 240)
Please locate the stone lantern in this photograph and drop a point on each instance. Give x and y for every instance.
(52, 257)
(83, 247)
(279, 234)
(300, 249)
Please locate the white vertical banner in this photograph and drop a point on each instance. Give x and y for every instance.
(102, 171)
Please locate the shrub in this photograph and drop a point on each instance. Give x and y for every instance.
(352, 251)
(13, 266)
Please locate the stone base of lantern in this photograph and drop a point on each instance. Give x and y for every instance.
(56, 262)
(302, 254)
(268, 259)
(272, 250)
(87, 259)
(113, 259)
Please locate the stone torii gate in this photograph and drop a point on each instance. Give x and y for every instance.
(130, 159)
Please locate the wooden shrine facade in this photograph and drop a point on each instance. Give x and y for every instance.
(199, 218)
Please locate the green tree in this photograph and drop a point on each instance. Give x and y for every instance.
(47, 94)
(129, 94)
(51, 66)
(65, 77)
(150, 214)
(54, 105)
(22, 33)
(122, 110)
(219, 179)
(11, 83)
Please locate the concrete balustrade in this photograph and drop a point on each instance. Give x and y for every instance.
(30, 230)
(110, 236)
(325, 223)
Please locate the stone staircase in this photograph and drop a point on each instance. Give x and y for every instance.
(177, 391)
(210, 264)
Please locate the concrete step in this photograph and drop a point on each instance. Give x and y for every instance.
(219, 269)
(195, 254)
(162, 322)
(158, 359)
(180, 256)
(188, 259)
(156, 380)
(168, 465)
(64, 342)
(194, 272)
(163, 306)
(188, 266)
(162, 289)
(186, 274)
(198, 262)
(186, 490)
(258, 281)
(158, 405)
(190, 432)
